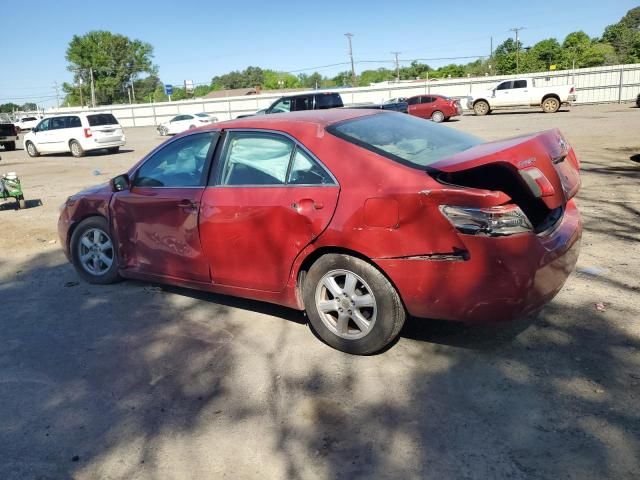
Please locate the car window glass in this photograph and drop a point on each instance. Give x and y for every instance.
(302, 103)
(332, 100)
(427, 99)
(74, 122)
(99, 119)
(57, 123)
(520, 84)
(255, 159)
(283, 105)
(505, 85)
(306, 171)
(43, 125)
(413, 100)
(181, 163)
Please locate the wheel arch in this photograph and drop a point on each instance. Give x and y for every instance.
(481, 99)
(316, 254)
(551, 95)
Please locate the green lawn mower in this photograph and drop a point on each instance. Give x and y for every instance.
(10, 188)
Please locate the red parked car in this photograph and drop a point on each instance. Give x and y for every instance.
(435, 107)
(358, 217)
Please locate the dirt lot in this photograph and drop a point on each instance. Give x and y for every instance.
(132, 381)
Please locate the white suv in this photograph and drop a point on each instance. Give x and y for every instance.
(77, 133)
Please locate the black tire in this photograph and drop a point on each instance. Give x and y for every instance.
(10, 146)
(388, 313)
(110, 274)
(550, 105)
(31, 149)
(21, 203)
(437, 116)
(113, 149)
(481, 107)
(76, 149)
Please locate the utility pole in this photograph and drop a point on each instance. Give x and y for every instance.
(516, 30)
(133, 92)
(93, 89)
(397, 65)
(491, 47)
(353, 68)
(55, 85)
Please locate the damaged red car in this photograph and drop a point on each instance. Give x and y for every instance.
(359, 217)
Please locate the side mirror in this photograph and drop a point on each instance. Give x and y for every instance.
(120, 183)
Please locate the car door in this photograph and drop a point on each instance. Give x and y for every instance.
(267, 200)
(177, 124)
(58, 134)
(42, 136)
(502, 94)
(156, 219)
(520, 93)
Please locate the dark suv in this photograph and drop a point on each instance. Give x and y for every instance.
(307, 101)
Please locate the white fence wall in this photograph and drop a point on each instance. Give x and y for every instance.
(593, 85)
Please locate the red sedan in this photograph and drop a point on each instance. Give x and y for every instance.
(435, 107)
(359, 217)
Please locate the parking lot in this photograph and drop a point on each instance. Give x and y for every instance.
(142, 381)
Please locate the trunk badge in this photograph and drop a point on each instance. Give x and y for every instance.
(526, 163)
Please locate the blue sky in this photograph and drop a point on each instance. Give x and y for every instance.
(199, 39)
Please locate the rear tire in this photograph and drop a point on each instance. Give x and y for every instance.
(76, 149)
(481, 107)
(93, 252)
(351, 305)
(31, 150)
(550, 105)
(437, 116)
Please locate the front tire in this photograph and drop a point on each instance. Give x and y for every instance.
(550, 105)
(351, 305)
(31, 150)
(437, 116)
(93, 251)
(21, 203)
(76, 149)
(481, 107)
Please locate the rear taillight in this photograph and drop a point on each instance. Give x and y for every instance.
(539, 185)
(492, 221)
(87, 133)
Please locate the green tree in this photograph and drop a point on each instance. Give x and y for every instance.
(273, 80)
(624, 36)
(415, 70)
(367, 77)
(116, 61)
(9, 107)
(29, 107)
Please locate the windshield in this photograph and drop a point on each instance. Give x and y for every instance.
(202, 115)
(404, 138)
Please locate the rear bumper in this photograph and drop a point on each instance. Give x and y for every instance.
(96, 145)
(503, 278)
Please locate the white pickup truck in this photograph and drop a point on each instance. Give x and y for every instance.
(521, 92)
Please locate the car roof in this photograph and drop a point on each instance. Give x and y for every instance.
(317, 117)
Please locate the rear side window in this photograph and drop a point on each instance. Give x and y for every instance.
(255, 159)
(99, 119)
(428, 99)
(74, 122)
(404, 138)
(302, 103)
(520, 84)
(332, 100)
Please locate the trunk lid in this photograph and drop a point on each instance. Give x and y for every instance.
(546, 152)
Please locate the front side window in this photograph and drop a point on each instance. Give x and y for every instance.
(282, 106)
(252, 158)
(179, 164)
(43, 125)
(404, 138)
(412, 100)
(505, 85)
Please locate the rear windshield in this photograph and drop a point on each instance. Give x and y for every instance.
(404, 138)
(101, 119)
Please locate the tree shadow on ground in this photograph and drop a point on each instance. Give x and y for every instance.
(127, 381)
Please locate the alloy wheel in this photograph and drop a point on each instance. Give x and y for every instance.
(95, 251)
(346, 304)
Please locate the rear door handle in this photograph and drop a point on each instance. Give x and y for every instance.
(307, 203)
(188, 204)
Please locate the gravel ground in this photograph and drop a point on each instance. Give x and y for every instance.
(133, 381)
